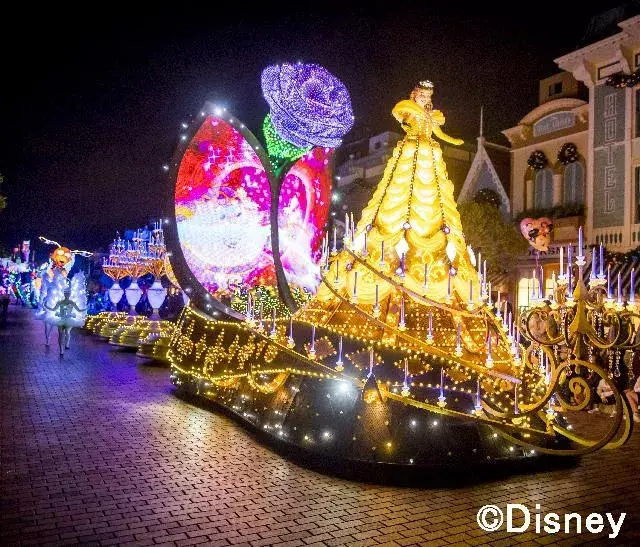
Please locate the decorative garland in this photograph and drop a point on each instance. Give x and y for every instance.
(568, 153)
(266, 296)
(537, 160)
(621, 80)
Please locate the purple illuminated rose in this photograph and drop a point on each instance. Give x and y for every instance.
(309, 106)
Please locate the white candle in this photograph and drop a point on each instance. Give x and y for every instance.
(601, 261)
(633, 285)
(355, 284)
(382, 253)
(335, 236)
(426, 272)
(609, 281)
(594, 265)
(580, 241)
(470, 291)
(619, 288)
(376, 306)
(430, 324)
(561, 261)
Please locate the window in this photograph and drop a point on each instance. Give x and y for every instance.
(543, 189)
(555, 89)
(574, 184)
(527, 288)
(637, 188)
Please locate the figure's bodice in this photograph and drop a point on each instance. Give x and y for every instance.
(417, 121)
(66, 309)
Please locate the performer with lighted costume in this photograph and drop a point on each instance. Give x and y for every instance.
(66, 307)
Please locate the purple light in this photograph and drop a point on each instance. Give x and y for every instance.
(309, 106)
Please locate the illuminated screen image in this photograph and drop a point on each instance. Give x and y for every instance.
(223, 209)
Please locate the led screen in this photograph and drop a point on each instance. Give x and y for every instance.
(223, 206)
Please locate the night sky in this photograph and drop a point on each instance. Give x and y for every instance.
(91, 111)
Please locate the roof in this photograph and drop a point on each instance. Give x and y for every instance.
(483, 162)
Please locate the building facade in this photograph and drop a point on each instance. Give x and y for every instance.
(576, 156)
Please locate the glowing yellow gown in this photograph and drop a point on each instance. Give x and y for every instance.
(413, 213)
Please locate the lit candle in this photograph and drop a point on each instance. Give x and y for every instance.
(449, 284)
(480, 264)
(569, 251)
(382, 254)
(313, 339)
(580, 241)
(371, 361)
(430, 333)
(518, 342)
(633, 286)
(426, 272)
(459, 336)
(365, 252)
(594, 264)
(516, 410)
(346, 226)
(601, 261)
(355, 284)
(484, 271)
(335, 237)
(471, 292)
(402, 265)
(442, 382)
(273, 322)
(608, 281)
(291, 329)
(561, 261)
(401, 324)
(339, 363)
(377, 291)
(619, 288)
(478, 405)
(498, 305)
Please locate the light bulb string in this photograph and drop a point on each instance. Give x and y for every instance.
(413, 178)
(423, 345)
(384, 192)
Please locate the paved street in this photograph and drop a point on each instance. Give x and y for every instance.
(96, 449)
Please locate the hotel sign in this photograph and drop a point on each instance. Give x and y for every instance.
(609, 157)
(554, 122)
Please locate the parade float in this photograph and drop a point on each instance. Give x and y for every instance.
(385, 344)
(133, 259)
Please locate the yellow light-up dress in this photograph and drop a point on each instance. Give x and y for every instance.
(409, 248)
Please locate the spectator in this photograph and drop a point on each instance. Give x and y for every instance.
(632, 396)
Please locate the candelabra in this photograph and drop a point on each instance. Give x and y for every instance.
(578, 333)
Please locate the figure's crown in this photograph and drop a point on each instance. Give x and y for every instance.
(425, 84)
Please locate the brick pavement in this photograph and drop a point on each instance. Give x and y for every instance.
(96, 450)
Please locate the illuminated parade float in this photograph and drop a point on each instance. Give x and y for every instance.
(380, 342)
(134, 259)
